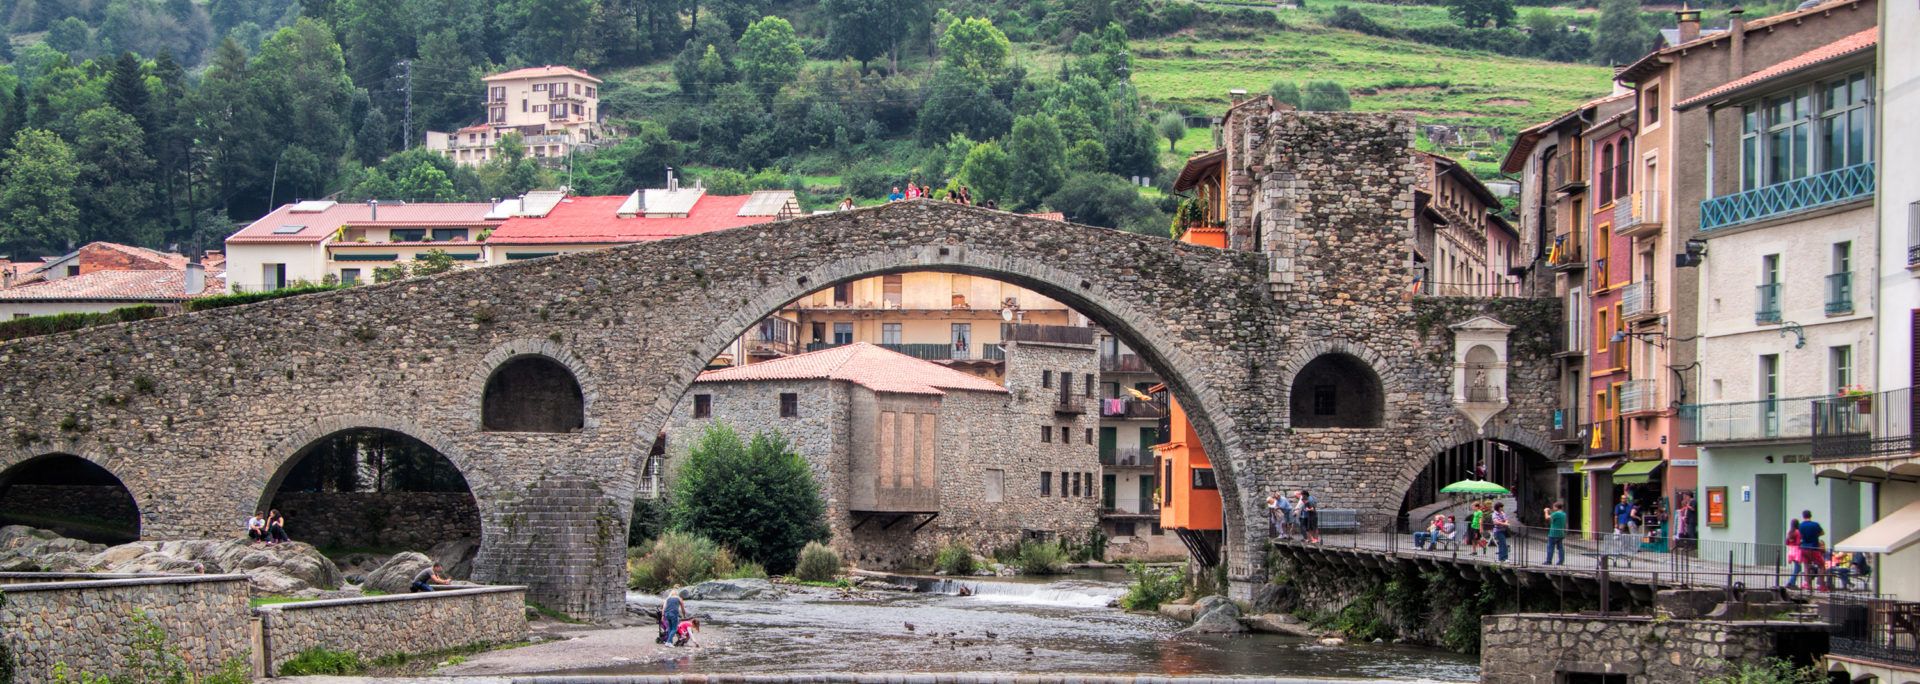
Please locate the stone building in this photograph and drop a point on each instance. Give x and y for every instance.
(1129, 428)
(911, 454)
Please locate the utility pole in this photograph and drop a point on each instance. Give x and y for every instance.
(406, 122)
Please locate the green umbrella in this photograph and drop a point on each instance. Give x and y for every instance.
(1474, 487)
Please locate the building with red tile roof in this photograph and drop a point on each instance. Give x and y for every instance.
(576, 224)
(103, 276)
(314, 241)
(862, 364)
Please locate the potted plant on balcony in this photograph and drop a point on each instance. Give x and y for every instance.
(1861, 396)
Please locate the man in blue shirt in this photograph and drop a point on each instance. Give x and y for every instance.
(1623, 515)
(895, 196)
(1812, 554)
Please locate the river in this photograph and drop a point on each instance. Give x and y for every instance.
(1010, 626)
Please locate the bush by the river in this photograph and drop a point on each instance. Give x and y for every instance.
(1770, 671)
(320, 661)
(1152, 586)
(817, 563)
(679, 559)
(956, 558)
(1040, 558)
(757, 498)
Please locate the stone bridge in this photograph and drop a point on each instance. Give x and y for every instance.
(200, 415)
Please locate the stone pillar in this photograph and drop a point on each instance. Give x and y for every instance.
(565, 538)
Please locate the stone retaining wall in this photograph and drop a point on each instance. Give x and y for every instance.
(400, 520)
(1544, 648)
(378, 626)
(89, 625)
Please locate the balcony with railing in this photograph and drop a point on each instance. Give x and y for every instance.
(1832, 188)
(1046, 334)
(1568, 252)
(1636, 301)
(1747, 421)
(1766, 307)
(929, 351)
(1123, 363)
(1132, 409)
(1840, 294)
(1639, 397)
(773, 337)
(1864, 425)
(1637, 213)
(1874, 629)
(1567, 174)
(1604, 437)
(1565, 429)
(1127, 457)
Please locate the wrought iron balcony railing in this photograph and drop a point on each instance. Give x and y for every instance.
(1637, 213)
(1127, 456)
(1838, 186)
(1130, 408)
(1123, 363)
(1865, 425)
(1840, 293)
(1747, 421)
(1766, 307)
(1873, 629)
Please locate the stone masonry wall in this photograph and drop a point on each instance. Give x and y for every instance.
(400, 520)
(1542, 649)
(198, 413)
(377, 626)
(89, 624)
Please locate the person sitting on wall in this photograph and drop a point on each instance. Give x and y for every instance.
(428, 579)
(256, 528)
(276, 528)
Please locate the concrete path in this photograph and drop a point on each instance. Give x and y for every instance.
(582, 647)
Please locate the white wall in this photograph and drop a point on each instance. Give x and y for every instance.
(305, 261)
(1899, 185)
(12, 310)
(1733, 341)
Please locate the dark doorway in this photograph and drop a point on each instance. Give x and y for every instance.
(375, 490)
(69, 495)
(1337, 391)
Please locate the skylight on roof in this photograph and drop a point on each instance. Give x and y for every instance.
(288, 230)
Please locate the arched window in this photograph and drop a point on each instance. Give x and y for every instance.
(532, 394)
(1622, 179)
(69, 495)
(1606, 173)
(1337, 391)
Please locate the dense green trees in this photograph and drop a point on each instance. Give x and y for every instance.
(37, 177)
(758, 498)
(1481, 13)
(1620, 36)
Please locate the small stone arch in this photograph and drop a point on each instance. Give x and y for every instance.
(532, 373)
(66, 485)
(1336, 389)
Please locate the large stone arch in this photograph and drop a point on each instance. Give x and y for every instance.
(208, 406)
(11, 459)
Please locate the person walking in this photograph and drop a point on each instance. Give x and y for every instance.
(1309, 517)
(1557, 532)
(1793, 553)
(1813, 555)
(1623, 515)
(1500, 530)
(1476, 534)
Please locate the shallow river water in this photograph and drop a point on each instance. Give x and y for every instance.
(1061, 626)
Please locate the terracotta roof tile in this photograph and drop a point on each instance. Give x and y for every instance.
(596, 220)
(137, 286)
(863, 364)
(1850, 45)
(540, 71)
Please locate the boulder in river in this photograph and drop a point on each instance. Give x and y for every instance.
(729, 590)
(396, 575)
(1215, 615)
(276, 569)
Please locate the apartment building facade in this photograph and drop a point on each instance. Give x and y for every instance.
(554, 109)
(1784, 319)
(1462, 246)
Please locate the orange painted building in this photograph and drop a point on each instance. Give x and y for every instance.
(1189, 495)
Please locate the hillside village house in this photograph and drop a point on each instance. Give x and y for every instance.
(1462, 247)
(103, 276)
(911, 454)
(555, 109)
(322, 241)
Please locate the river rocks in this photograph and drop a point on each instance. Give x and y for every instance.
(455, 557)
(1178, 611)
(276, 569)
(31, 549)
(729, 590)
(1332, 642)
(1279, 623)
(396, 575)
(1215, 615)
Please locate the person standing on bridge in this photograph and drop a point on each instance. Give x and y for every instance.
(1557, 532)
(1309, 517)
(1500, 529)
(1812, 553)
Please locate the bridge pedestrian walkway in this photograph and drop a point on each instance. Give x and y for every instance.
(1625, 559)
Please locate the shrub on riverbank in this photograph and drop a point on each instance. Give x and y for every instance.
(1040, 558)
(956, 559)
(758, 499)
(678, 559)
(320, 661)
(1152, 586)
(817, 563)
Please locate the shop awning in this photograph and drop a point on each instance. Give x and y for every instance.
(1636, 472)
(1890, 534)
(1604, 464)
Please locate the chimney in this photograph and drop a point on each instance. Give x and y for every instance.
(1689, 23)
(1737, 28)
(373, 208)
(1237, 95)
(196, 280)
(672, 183)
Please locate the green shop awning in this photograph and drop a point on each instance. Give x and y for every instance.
(1636, 472)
